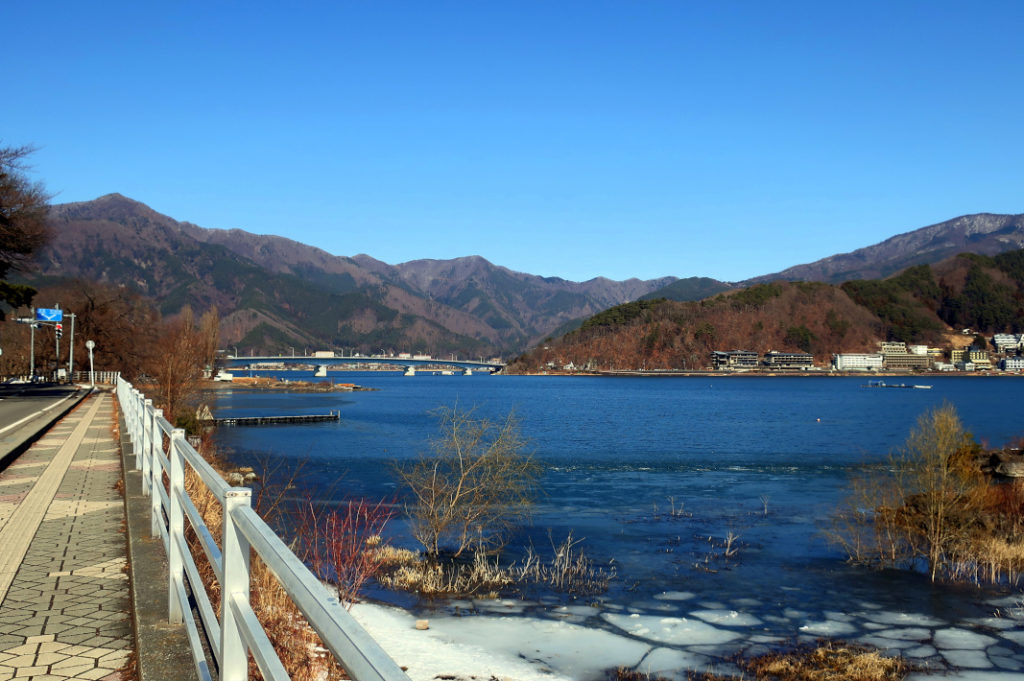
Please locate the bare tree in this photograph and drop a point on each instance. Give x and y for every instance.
(122, 323)
(23, 227)
(473, 487)
(177, 364)
(925, 509)
(941, 483)
(209, 337)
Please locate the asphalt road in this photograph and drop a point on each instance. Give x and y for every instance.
(25, 409)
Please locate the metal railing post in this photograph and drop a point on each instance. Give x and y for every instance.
(134, 429)
(143, 449)
(234, 661)
(156, 478)
(176, 525)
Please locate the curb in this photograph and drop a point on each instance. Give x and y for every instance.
(162, 650)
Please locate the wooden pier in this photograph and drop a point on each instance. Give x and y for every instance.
(269, 420)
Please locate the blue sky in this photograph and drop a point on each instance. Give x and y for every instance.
(570, 139)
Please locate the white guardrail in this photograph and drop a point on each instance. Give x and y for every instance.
(236, 633)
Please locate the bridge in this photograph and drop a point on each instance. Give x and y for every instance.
(407, 364)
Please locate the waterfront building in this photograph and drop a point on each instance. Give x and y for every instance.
(957, 355)
(979, 358)
(788, 360)
(917, 349)
(1012, 364)
(857, 361)
(893, 348)
(734, 359)
(907, 362)
(1008, 342)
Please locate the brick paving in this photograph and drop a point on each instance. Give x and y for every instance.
(64, 596)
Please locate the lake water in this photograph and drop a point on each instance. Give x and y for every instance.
(654, 474)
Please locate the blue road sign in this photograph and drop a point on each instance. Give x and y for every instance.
(46, 314)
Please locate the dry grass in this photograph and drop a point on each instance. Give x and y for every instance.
(297, 645)
(481, 577)
(826, 661)
(829, 661)
(568, 571)
(393, 557)
(988, 559)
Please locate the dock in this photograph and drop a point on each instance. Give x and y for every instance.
(270, 420)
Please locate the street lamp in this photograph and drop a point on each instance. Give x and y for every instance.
(92, 373)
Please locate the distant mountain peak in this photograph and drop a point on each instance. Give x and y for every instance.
(982, 233)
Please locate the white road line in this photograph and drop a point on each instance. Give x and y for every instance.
(31, 416)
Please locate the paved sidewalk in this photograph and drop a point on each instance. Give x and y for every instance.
(64, 595)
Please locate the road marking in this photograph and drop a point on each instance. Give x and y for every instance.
(32, 416)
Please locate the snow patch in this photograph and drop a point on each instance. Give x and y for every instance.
(967, 675)
(729, 618)
(675, 596)
(900, 619)
(967, 659)
(503, 647)
(671, 663)
(672, 630)
(961, 639)
(828, 628)
(911, 634)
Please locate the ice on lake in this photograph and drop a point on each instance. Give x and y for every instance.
(962, 639)
(580, 643)
(678, 630)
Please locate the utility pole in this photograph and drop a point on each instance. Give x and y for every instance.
(58, 331)
(32, 348)
(71, 350)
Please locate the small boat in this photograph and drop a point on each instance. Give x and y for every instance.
(883, 384)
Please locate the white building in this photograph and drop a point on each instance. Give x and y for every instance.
(1013, 364)
(1007, 342)
(854, 361)
(893, 348)
(917, 349)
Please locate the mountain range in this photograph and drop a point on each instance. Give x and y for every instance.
(274, 293)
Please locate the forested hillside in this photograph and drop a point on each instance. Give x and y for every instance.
(922, 304)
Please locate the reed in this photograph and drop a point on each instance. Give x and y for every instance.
(827, 660)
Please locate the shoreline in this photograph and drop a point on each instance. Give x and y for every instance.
(626, 373)
(271, 384)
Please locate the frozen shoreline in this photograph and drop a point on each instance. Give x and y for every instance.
(572, 645)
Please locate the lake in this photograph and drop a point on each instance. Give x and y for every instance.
(655, 474)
